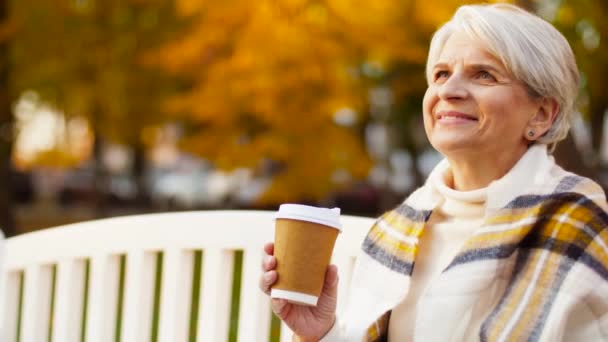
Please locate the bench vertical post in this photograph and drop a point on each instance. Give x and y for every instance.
(175, 295)
(102, 298)
(215, 304)
(36, 303)
(11, 294)
(138, 296)
(69, 299)
(254, 314)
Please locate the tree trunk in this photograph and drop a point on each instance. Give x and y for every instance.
(101, 181)
(597, 110)
(568, 157)
(138, 173)
(7, 218)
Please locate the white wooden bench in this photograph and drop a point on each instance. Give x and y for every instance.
(164, 277)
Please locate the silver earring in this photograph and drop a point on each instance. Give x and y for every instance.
(531, 134)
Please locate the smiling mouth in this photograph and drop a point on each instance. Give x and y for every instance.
(455, 116)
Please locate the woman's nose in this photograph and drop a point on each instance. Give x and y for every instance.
(453, 88)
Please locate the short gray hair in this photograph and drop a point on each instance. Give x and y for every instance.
(534, 51)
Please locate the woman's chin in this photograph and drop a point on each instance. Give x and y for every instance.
(454, 141)
(449, 147)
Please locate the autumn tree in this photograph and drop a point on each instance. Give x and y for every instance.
(287, 83)
(84, 57)
(584, 24)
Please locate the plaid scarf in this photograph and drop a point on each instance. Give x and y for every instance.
(549, 233)
(557, 230)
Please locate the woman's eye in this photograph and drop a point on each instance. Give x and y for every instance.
(441, 74)
(485, 75)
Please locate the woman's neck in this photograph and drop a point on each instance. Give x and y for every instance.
(479, 170)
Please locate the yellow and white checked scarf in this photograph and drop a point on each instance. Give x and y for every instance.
(546, 229)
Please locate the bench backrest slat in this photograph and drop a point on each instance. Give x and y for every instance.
(10, 312)
(69, 295)
(138, 296)
(215, 305)
(103, 294)
(36, 304)
(254, 312)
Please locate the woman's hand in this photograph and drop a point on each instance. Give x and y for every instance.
(308, 322)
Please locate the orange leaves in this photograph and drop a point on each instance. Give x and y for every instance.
(189, 7)
(433, 13)
(371, 14)
(269, 76)
(314, 162)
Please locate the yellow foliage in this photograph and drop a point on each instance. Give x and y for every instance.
(55, 158)
(566, 15)
(188, 7)
(270, 74)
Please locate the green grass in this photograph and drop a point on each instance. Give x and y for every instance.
(157, 289)
(237, 273)
(275, 328)
(121, 294)
(196, 294)
(20, 306)
(85, 302)
(53, 287)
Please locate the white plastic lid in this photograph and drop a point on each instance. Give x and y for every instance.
(324, 216)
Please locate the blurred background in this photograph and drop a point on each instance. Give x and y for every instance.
(120, 107)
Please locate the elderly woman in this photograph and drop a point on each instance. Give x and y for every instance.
(500, 244)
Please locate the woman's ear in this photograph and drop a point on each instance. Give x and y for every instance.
(543, 119)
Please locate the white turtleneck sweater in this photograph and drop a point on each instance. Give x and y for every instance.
(451, 223)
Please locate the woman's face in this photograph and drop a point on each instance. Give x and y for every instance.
(473, 106)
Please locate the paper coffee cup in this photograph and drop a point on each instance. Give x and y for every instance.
(304, 242)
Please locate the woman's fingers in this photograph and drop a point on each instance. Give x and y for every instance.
(269, 248)
(329, 295)
(331, 277)
(267, 280)
(269, 263)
